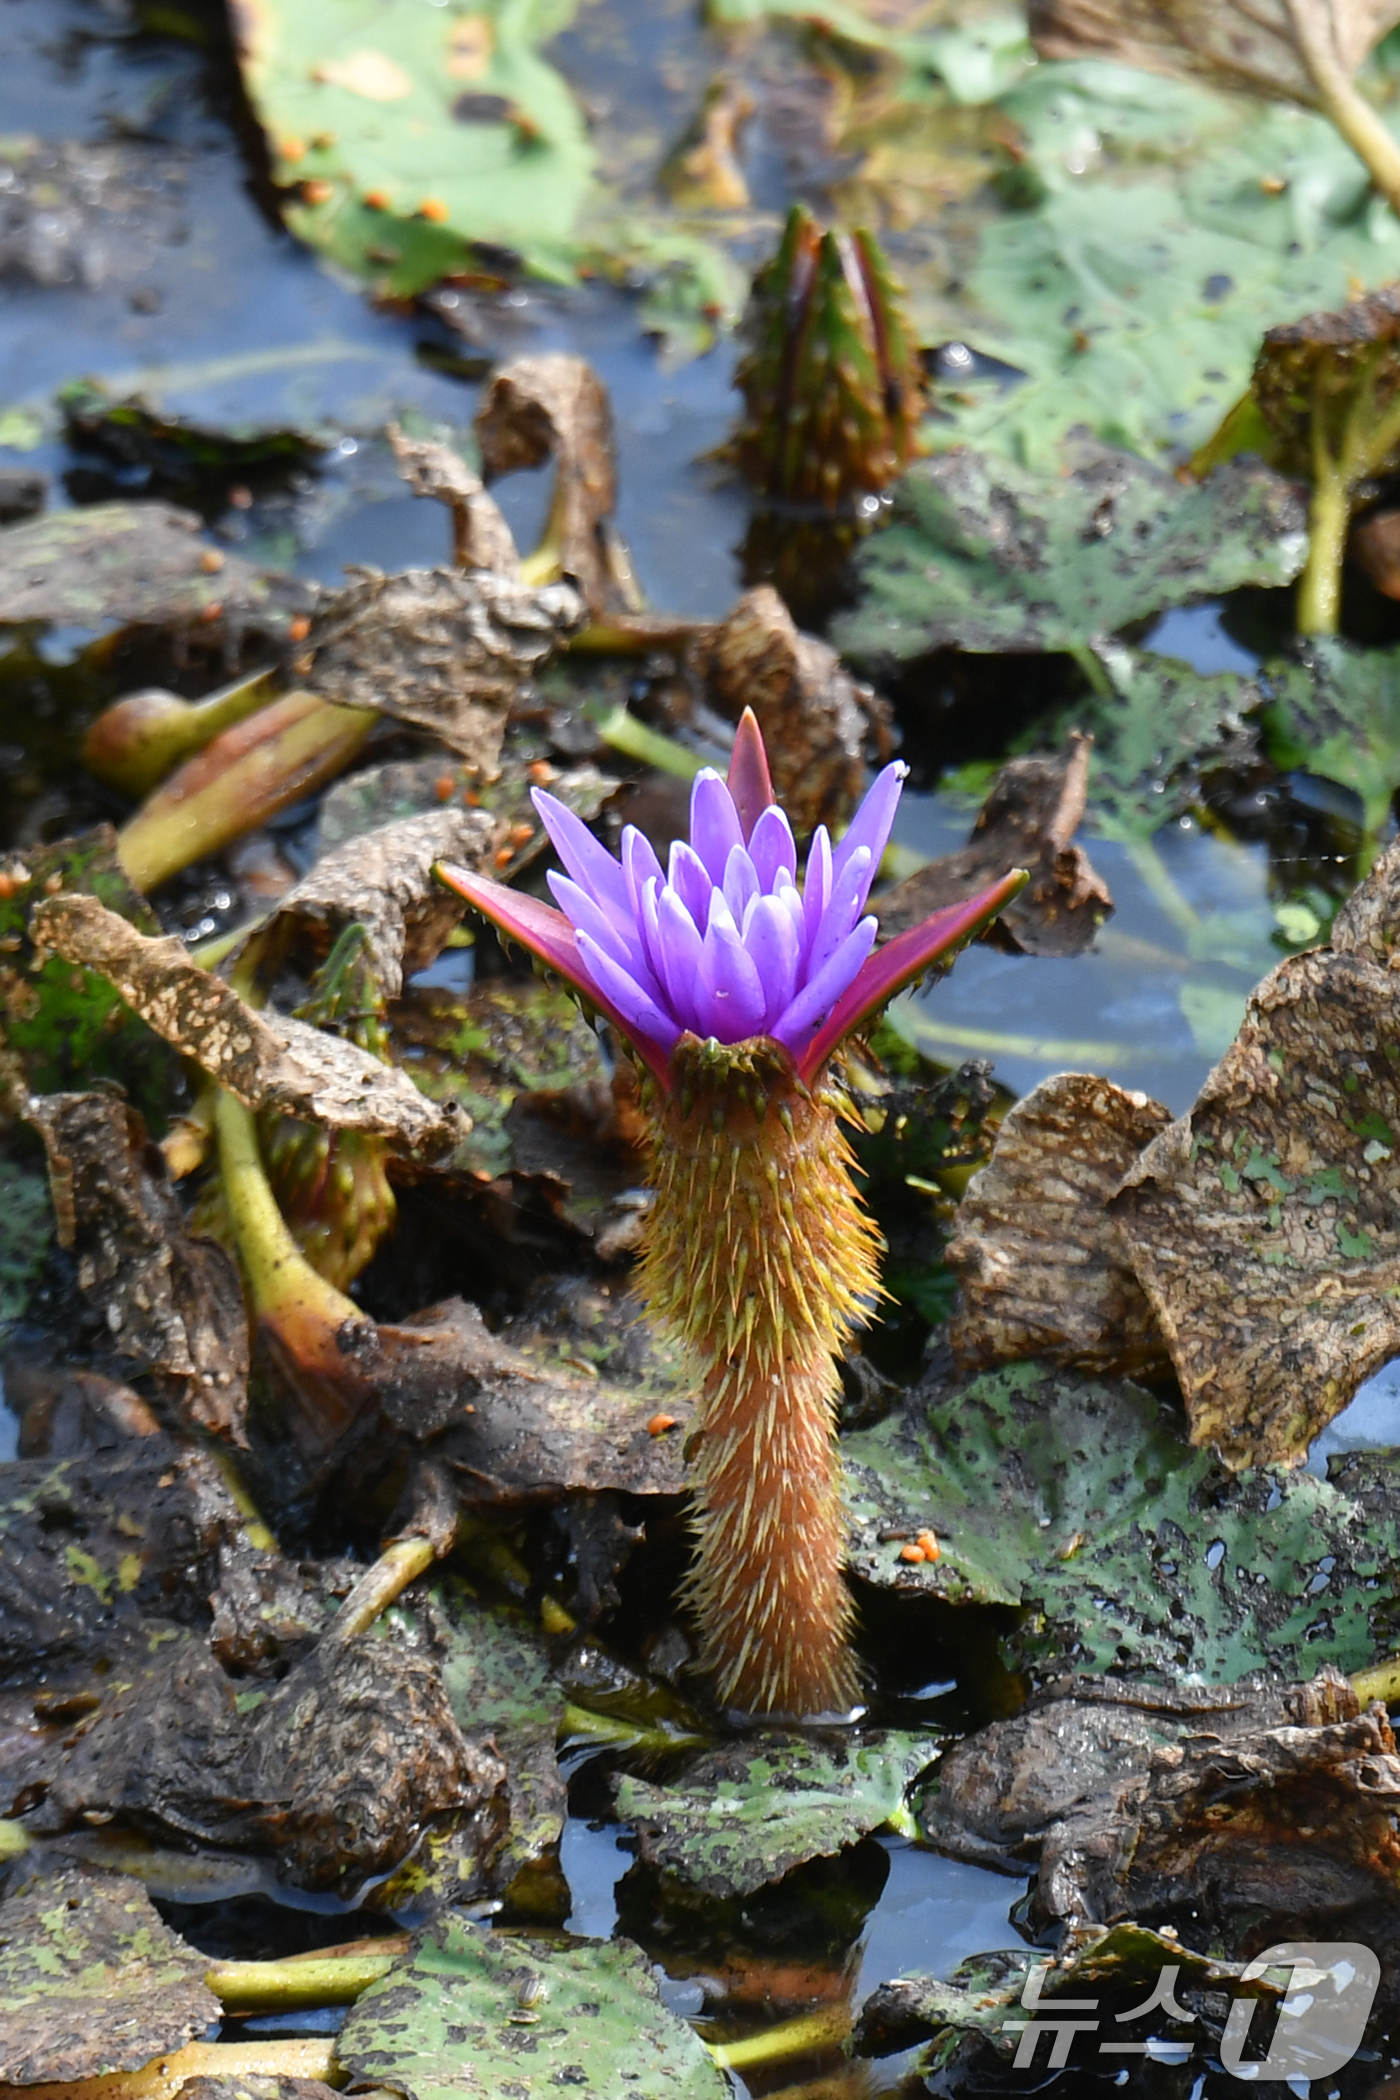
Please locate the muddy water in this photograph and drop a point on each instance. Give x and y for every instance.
(235, 324)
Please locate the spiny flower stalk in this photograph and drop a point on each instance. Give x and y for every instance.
(734, 984)
(832, 382)
(331, 1185)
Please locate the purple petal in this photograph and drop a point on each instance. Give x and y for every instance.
(820, 994)
(871, 824)
(902, 959)
(714, 822)
(681, 948)
(848, 890)
(585, 916)
(690, 879)
(639, 865)
(548, 934)
(730, 982)
(771, 849)
(590, 864)
(816, 886)
(772, 942)
(640, 1012)
(741, 884)
(652, 943)
(750, 782)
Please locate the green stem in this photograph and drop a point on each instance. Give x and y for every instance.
(1088, 661)
(134, 743)
(1320, 588)
(163, 2077)
(1382, 1682)
(1342, 101)
(304, 1982)
(649, 747)
(397, 1566)
(1152, 873)
(279, 1276)
(579, 1724)
(824, 2029)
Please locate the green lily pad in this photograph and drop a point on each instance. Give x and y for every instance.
(738, 1818)
(477, 2012)
(498, 1681)
(1335, 713)
(93, 1981)
(1081, 1501)
(984, 554)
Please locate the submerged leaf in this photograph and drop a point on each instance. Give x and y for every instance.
(738, 1818)
(93, 1981)
(983, 554)
(1334, 712)
(497, 2010)
(1083, 1502)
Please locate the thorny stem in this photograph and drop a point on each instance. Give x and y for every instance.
(1343, 102)
(303, 1982)
(799, 2037)
(163, 2076)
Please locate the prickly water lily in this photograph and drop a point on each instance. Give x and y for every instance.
(734, 984)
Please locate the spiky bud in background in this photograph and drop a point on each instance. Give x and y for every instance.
(832, 383)
(734, 986)
(331, 1185)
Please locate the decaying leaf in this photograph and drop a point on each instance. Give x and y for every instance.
(738, 1818)
(265, 1059)
(555, 407)
(136, 563)
(1262, 47)
(481, 537)
(92, 1980)
(704, 172)
(133, 432)
(981, 2001)
(1027, 821)
(984, 554)
(383, 880)
(1082, 1501)
(814, 716)
(1261, 1224)
(1044, 1269)
(447, 650)
(585, 2013)
(172, 1306)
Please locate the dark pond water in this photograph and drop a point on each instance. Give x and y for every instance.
(229, 322)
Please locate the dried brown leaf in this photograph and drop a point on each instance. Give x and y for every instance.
(481, 537)
(172, 1305)
(93, 1981)
(383, 880)
(266, 1060)
(447, 650)
(1027, 821)
(1254, 45)
(814, 716)
(555, 407)
(1263, 1224)
(1043, 1266)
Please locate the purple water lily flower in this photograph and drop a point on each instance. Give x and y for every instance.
(724, 942)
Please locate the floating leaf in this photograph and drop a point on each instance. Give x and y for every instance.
(125, 562)
(93, 1981)
(509, 2015)
(984, 554)
(1083, 1502)
(1161, 725)
(1334, 712)
(738, 1818)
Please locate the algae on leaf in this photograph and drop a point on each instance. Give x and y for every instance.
(472, 2011)
(1082, 1501)
(984, 554)
(1335, 712)
(738, 1818)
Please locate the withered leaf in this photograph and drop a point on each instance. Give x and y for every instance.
(1027, 821)
(383, 880)
(1263, 1225)
(93, 1981)
(555, 406)
(267, 1060)
(1262, 45)
(814, 716)
(171, 1305)
(1043, 1266)
(481, 537)
(445, 649)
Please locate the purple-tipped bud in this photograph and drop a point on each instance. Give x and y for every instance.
(722, 943)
